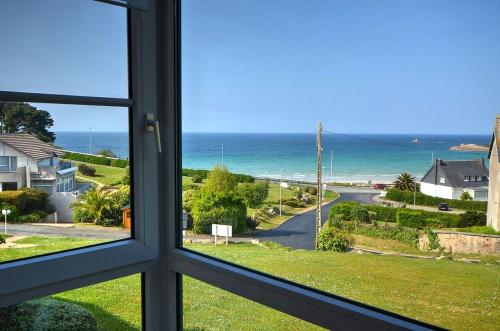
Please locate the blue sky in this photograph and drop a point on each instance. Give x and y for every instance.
(367, 66)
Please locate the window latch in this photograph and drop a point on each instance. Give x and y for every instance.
(153, 125)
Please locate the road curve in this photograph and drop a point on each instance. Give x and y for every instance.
(298, 232)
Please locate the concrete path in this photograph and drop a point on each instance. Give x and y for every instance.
(377, 199)
(299, 231)
(66, 230)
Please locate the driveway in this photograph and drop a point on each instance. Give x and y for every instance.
(299, 231)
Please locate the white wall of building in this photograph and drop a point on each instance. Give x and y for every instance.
(440, 191)
(22, 160)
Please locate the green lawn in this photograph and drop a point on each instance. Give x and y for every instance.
(104, 175)
(452, 294)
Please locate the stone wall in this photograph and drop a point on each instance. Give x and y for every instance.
(461, 242)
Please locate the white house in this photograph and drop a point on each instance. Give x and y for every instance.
(449, 179)
(26, 161)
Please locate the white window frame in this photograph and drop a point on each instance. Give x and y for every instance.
(154, 250)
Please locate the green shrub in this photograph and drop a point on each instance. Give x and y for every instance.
(240, 178)
(344, 208)
(197, 179)
(218, 208)
(411, 219)
(93, 159)
(119, 163)
(106, 153)
(294, 203)
(360, 214)
(47, 314)
(433, 240)
(252, 223)
(86, 170)
(2, 241)
(126, 177)
(14, 212)
(311, 190)
(383, 214)
(472, 218)
(334, 239)
(466, 196)
(426, 200)
(14, 198)
(405, 236)
(36, 200)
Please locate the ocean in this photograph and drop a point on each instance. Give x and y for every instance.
(356, 157)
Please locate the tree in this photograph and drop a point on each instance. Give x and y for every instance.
(466, 196)
(91, 206)
(406, 182)
(254, 193)
(126, 177)
(220, 180)
(18, 117)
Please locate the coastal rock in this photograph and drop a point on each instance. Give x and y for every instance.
(470, 148)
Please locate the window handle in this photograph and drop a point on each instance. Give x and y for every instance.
(153, 125)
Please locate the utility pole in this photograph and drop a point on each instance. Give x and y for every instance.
(319, 144)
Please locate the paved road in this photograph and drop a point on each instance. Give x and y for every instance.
(65, 231)
(298, 232)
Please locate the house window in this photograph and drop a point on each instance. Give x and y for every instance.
(466, 178)
(442, 180)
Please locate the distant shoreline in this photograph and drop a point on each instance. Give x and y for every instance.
(470, 148)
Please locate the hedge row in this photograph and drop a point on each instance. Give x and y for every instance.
(95, 159)
(26, 200)
(240, 178)
(426, 200)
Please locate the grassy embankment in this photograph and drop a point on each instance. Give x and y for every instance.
(451, 294)
(104, 175)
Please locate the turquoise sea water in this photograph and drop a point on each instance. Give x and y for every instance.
(356, 157)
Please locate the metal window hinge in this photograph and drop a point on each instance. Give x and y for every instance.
(153, 125)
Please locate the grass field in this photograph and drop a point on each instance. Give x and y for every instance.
(451, 294)
(104, 175)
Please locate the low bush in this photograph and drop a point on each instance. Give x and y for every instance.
(197, 179)
(252, 223)
(47, 314)
(294, 203)
(14, 198)
(411, 219)
(433, 240)
(2, 241)
(14, 212)
(426, 200)
(360, 214)
(86, 169)
(93, 159)
(311, 190)
(334, 239)
(240, 178)
(383, 214)
(119, 163)
(471, 218)
(36, 200)
(345, 209)
(218, 208)
(406, 236)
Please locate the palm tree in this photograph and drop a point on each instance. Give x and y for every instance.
(92, 204)
(406, 182)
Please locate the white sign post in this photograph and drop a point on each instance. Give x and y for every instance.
(282, 185)
(5, 212)
(222, 230)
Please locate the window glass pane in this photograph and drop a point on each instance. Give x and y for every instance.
(60, 219)
(63, 47)
(395, 87)
(95, 307)
(209, 308)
